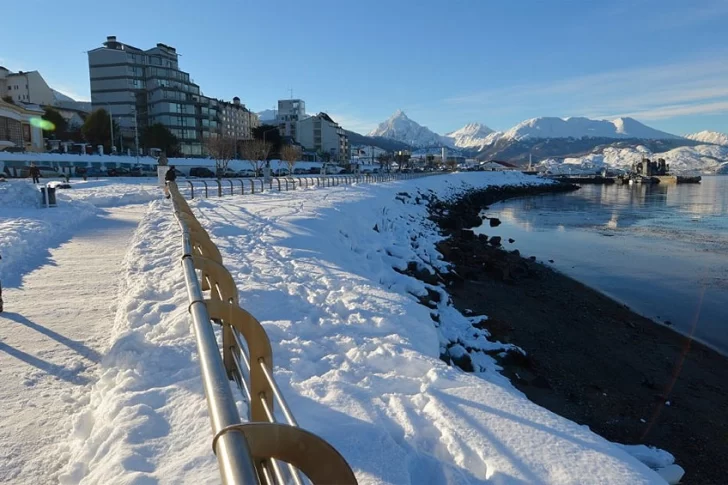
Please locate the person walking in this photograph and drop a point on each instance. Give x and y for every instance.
(170, 176)
(35, 173)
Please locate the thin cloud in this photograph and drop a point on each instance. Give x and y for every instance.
(665, 112)
(650, 92)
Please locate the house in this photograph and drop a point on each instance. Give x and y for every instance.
(20, 129)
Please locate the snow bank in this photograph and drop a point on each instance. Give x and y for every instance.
(27, 230)
(356, 354)
(112, 192)
(19, 194)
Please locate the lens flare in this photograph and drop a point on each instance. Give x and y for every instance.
(44, 125)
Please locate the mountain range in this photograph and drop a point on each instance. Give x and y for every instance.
(541, 137)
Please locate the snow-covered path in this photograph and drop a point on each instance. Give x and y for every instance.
(52, 335)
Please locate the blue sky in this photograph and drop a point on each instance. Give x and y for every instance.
(445, 63)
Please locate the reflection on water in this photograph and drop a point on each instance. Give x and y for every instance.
(658, 248)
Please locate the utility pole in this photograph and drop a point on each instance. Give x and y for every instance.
(111, 126)
(136, 136)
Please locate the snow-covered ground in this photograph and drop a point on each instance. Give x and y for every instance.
(702, 158)
(356, 354)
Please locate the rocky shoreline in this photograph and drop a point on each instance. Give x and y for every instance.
(588, 357)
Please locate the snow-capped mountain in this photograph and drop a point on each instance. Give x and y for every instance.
(267, 115)
(578, 127)
(702, 158)
(472, 135)
(399, 127)
(713, 137)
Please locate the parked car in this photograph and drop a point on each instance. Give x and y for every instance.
(118, 172)
(142, 171)
(246, 173)
(95, 172)
(282, 172)
(300, 171)
(229, 173)
(202, 172)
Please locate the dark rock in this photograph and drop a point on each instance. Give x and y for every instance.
(494, 222)
(376, 227)
(511, 240)
(668, 322)
(516, 252)
(551, 260)
(541, 382)
(464, 362)
(495, 241)
(532, 258)
(467, 235)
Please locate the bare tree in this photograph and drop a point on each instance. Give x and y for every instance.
(222, 149)
(290, 154)
(384, 159)
(451, 164)
(256, 152)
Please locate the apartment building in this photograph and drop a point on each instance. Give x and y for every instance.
(290, 111)
(26, 87)
(321, 134)
(237, 121)
(143, 87)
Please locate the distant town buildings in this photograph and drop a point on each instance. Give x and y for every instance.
(26, 87)
(290, 111)
(144, 87)
(323, 135)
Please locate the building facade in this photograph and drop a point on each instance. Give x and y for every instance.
(144, 87)
(237, 121)
(16, 130)
(26, 87)
(323, 135)
(290, 111)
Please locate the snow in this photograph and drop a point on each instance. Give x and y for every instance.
(578, 127)
(27, 231)
(702, 158)
(713, 137)
(472, 135)
(356, 354)
(53, 331)
(399, 127)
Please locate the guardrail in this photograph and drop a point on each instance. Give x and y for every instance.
(232, 186)
(261, 450)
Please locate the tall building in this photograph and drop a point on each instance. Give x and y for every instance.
(323, 135)
(237, 121)
(290, 111)
(144, 87)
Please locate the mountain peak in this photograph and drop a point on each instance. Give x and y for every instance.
(400, 128)
(472, 135)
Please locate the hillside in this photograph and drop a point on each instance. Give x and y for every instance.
(713, 137)
(472, 135)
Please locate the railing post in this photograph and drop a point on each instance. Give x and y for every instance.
(205, 182)
(242, 187)
(192, 190)
(252, 186)
(219, 188)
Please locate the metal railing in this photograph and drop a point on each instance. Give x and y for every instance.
(261, 450)
(233, 186)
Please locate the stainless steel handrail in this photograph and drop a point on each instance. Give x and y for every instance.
(233, 455)
(248, 453)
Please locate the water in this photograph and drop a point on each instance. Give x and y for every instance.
(660, 249)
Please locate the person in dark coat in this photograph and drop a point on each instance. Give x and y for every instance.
(170, 176)
(35, 173)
